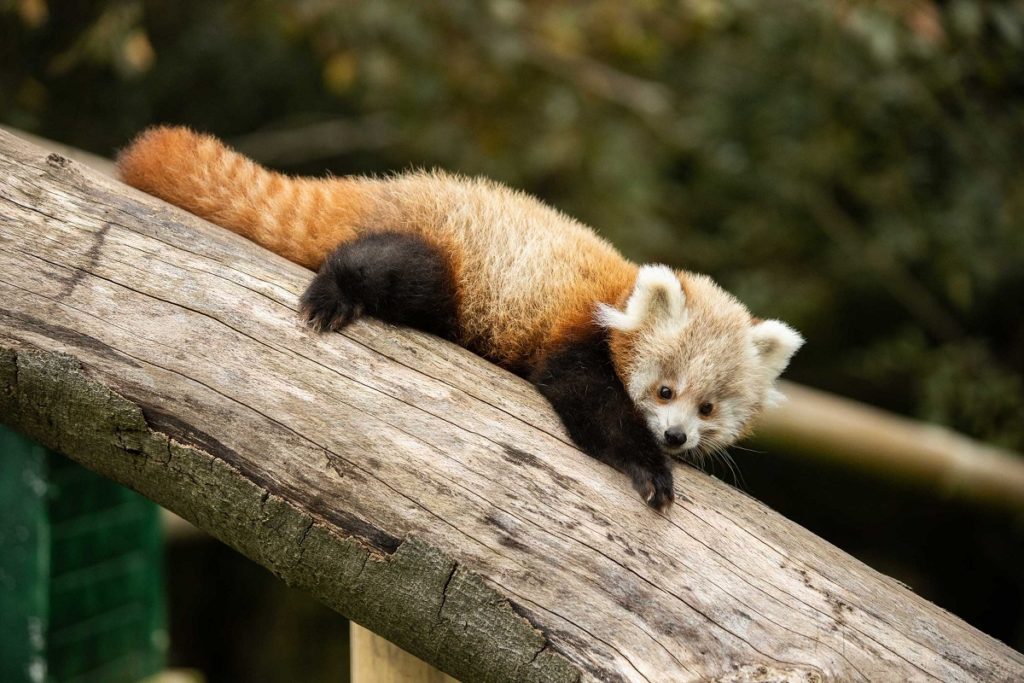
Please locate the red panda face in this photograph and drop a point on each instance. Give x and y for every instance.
(695, 363)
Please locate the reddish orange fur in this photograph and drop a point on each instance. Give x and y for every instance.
(298, 218)
(527, 277)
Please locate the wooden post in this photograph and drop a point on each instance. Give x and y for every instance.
(375, 660)
(403, 481)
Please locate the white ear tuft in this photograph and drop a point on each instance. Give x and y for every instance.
(775, 342)
(657, 297)
(611, 317)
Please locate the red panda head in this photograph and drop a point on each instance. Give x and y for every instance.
(696, 364)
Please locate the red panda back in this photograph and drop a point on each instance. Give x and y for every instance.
(526, 275)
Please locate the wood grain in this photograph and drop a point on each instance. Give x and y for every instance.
(419, 490)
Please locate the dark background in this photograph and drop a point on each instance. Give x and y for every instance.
(855, 168)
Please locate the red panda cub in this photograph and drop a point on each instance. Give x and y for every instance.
(640, 362)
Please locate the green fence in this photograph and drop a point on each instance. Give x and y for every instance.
(81, 584)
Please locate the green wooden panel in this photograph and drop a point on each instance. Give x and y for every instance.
(82, 567)
(24, 558)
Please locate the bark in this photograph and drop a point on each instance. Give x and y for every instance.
(418, 490)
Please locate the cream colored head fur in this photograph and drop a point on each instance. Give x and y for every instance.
(693, 359)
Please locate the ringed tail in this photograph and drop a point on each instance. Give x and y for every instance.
(300, 219)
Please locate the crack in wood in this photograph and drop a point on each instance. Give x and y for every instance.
(92, 257)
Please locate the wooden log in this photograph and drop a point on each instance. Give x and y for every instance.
(825, 427)
(415, 488)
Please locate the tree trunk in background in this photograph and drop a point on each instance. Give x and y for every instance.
(415, 488)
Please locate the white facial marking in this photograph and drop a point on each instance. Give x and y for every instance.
(644, 376)
(678, 414)
(703, 345)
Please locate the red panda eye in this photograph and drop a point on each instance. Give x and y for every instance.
(706, 408)
(665, 393)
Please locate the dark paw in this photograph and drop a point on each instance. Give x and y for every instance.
(324, 306)
(655, 487)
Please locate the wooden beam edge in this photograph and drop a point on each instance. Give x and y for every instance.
(412, 594)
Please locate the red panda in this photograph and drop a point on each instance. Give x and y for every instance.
(640, 362)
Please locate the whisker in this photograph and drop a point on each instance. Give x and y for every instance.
(738, 478)
(715, 450)
(722, 456)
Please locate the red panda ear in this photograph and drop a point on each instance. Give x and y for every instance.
(775, 342)
(657, 298)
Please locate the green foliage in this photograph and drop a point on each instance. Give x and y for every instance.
(855, 168)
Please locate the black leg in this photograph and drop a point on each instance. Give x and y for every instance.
(396, 277)
(580, 382)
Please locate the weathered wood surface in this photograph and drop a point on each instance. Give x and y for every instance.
(420, 491)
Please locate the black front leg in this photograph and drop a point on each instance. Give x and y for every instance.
(580, 382)
(396, 277)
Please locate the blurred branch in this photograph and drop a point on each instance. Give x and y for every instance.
(317, 141)
(653, 103)
(826, 427)
(900, 283)
(643, 97)
(280, 146)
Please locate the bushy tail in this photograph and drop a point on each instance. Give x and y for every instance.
(300, 219)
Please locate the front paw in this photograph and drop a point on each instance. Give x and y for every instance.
(655, 486)
(324, 306)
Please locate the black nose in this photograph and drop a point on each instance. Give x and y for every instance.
(675, 437)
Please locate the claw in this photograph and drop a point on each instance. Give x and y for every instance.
(655, 488)
(324, 306)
